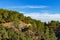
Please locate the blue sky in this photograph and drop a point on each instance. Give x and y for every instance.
(44, 10)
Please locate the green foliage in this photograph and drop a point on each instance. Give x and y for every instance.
(52, 35)
(37, 28)
(47, 34)
(9, 16)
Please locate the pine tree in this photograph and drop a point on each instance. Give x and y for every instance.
(47, 34)
(52, 35)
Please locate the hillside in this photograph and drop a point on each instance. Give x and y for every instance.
(8, 17)
(15, 26)
(10, 24)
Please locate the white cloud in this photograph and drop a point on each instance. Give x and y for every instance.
(27, 6)
(45, 17)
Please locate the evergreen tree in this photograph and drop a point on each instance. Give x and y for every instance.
(52, 35)
(47, 36)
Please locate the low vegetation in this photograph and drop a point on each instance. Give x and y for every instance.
(36, 30)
